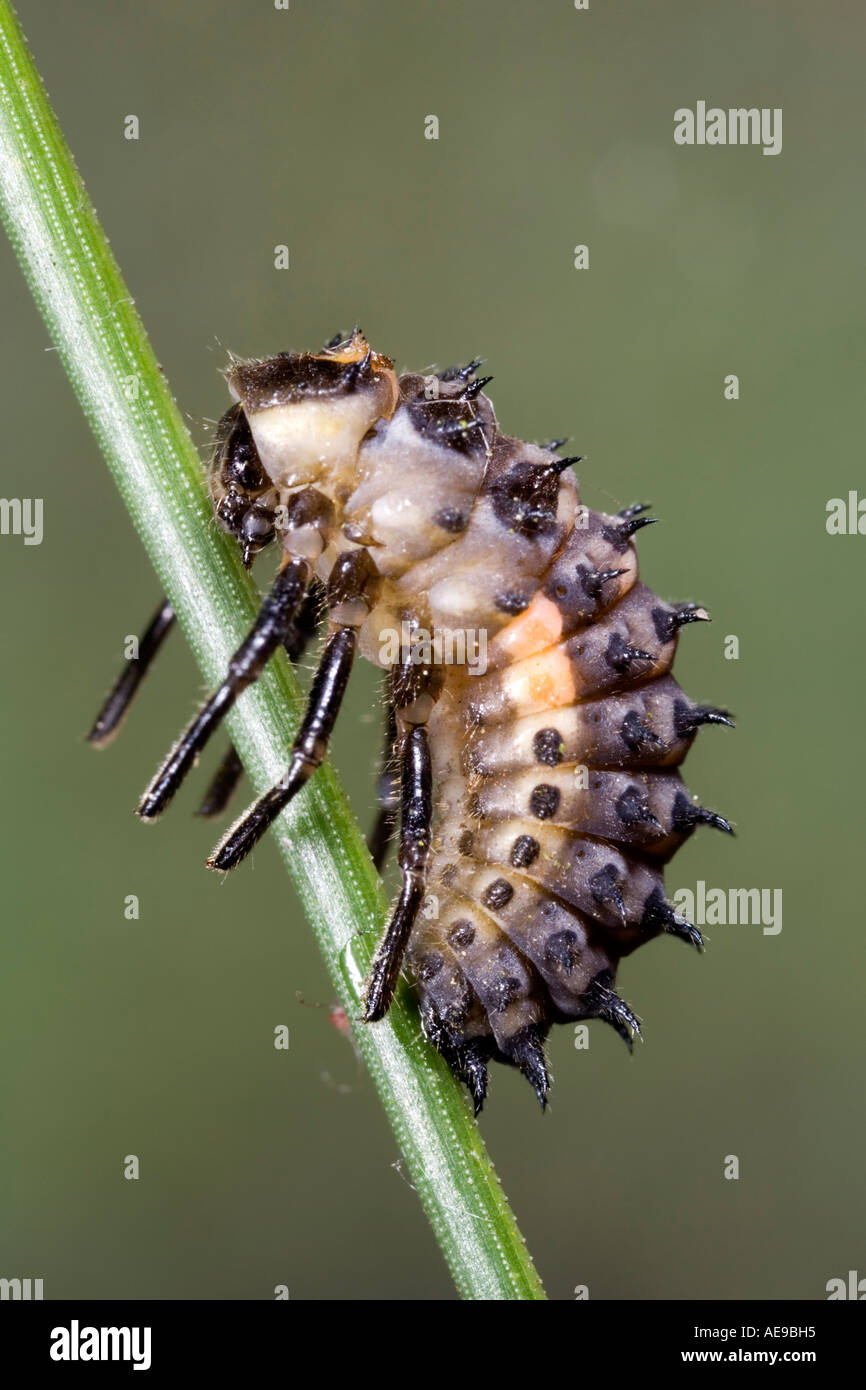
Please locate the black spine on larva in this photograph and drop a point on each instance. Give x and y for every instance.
(548, 869)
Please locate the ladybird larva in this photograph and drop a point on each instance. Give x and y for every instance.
(540, 797)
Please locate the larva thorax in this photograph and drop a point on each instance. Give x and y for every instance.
(554, 763)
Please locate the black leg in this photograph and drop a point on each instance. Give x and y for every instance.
(308, 750)
(305, 623)
(388, 795)
(247, 664)
(222, 785)
(416, 820)
(120, 697)
(225, 780)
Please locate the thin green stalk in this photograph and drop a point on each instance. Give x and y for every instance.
(92, 320)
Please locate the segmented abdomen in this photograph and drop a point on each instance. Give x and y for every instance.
(559, 801)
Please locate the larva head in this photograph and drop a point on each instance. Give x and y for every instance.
(308, 412)
(242, 493)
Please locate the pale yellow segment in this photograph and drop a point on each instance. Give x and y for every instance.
(540, 626)
(545, 681)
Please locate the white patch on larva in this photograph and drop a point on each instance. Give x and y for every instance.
(299, 442)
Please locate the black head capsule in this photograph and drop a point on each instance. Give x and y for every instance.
(240, 489)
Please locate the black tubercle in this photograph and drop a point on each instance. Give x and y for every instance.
(475, 388)
(686, 815)
(688, 718)
(660, 916)
(600, 1001)
(526, 1051)
(668, 621)
(632, 808)
(525, 497)
(446, 420)
(619, 533)
(560, 465)
(461, 373)
(636, 735)
(622, 656)
(593, 581)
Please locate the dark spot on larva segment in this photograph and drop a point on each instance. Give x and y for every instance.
(544, 801)
(466, 841)
(461, 935)
(511, 602)
(507, 991)
(524, 851)
(450, 519)
(547, 747)
(561, 949)
(525, 498)
(429, 967)
(497, 894)
(447, 874)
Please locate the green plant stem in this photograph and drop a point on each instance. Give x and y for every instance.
(94, 325)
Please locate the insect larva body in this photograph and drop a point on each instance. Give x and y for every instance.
(533, 720)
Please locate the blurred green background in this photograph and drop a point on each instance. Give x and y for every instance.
(306, 127)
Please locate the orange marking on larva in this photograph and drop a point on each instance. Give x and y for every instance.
(541, 682)
(539, 627)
